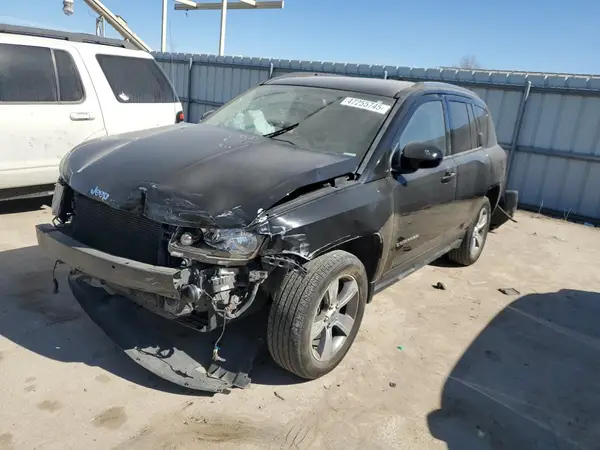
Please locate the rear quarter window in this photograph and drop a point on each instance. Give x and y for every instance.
(71, 87)
(136, 80)
(460, 127)
(485, 126)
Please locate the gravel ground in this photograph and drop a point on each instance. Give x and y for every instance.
(463, 368)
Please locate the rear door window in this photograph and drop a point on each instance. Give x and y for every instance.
(460, 127)
(136, 80)
(69, 81)
(27, 74)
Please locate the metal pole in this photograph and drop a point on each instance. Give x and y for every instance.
(117, 23)
(517, 130)
(189, 91)
(163, 44)
(223, 27)
(100, 26)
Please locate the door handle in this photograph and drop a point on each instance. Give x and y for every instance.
(76, 116)
(448, 176)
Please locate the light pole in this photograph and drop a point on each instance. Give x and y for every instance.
(163, 35)
(223, 27)
(224, 5)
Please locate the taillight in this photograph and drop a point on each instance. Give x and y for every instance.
(179, 117)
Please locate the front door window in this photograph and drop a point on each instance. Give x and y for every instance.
(426, 125)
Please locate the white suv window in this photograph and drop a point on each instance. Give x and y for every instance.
(136, 80)
(26, 74)
(69, 81)
(426, 125)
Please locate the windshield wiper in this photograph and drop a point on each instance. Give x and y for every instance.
(285, 140)
(291, 127)
(281, 131)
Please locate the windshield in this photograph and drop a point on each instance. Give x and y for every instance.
(319, 119)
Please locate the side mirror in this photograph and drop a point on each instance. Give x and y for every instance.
(206, 114)
(417, 155)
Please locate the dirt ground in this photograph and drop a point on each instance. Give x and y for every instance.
(463, 368)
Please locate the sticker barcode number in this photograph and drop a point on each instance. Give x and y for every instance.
(376, 107)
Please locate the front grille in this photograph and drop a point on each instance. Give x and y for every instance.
(116, 232)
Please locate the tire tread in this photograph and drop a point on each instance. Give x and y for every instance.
(291, 304)
(462, 254)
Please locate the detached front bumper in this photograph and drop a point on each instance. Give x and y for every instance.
(161, 346)
(169, 350)
(105, 267)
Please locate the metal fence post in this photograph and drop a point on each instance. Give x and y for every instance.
(189, 90)
(517, 130)
(271, 68)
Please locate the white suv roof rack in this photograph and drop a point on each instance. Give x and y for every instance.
(65, 36)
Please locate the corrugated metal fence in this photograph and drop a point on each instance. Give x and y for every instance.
(549, 122)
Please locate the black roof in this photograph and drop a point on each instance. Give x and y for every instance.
(65, 36)
(374, 86)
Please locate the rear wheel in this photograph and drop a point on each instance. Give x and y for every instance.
(472, 245)
(314, 317)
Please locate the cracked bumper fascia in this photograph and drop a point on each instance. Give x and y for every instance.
(103, 266)
(163, 281)
(115, 272)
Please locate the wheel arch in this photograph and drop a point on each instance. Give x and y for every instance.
(493, 195)
(368, 249)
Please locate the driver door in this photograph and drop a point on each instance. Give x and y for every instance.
(423, 198)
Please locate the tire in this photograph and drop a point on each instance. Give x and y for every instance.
(302, 305)
(464, 255)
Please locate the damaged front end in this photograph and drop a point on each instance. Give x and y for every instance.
(202, 277)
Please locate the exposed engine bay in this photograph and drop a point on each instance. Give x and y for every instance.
(209, 287)
(209, 297)
(181, 277)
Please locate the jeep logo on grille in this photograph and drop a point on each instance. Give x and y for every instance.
(97, 192)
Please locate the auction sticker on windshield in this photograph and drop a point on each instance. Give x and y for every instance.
(377, 107)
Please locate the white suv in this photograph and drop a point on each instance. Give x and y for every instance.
(60, 89)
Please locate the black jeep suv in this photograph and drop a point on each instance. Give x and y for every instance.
(307, 193)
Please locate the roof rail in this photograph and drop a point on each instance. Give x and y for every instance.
(307, 73)
(447, 85)
(65, 36)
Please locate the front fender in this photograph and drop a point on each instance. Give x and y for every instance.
(312, 225)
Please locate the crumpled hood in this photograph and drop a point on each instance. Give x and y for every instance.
(196, 174)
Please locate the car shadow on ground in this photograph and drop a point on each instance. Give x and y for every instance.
(529, 380)
(444, 261)
(56, 327)
(19, 206)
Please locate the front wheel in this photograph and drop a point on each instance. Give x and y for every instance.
(472, 245)
(315, 316)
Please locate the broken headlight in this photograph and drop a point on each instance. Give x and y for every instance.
(233, 241)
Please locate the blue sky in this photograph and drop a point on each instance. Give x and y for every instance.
(533, 35)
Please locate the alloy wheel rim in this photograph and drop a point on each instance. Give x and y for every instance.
(335, 318)
(479, 232)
